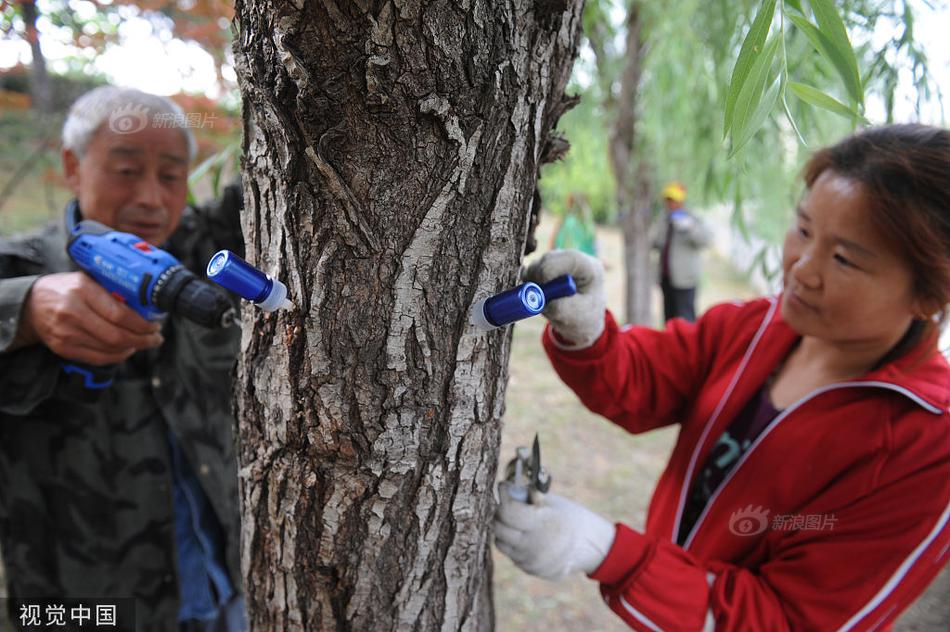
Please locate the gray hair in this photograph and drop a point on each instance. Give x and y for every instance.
(125, 110)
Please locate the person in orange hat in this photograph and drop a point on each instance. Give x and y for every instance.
(680, 238)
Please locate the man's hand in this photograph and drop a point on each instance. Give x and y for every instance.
(78, 320)
(552, 538)
(578, 318)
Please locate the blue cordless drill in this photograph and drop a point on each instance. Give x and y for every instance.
(149, 280)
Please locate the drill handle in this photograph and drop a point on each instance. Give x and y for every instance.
(91, 378)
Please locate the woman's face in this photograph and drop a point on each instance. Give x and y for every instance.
(843, 283)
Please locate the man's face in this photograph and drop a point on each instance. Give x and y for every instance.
(136, 183)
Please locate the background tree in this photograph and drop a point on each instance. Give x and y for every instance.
(39, 78)
(670, 84)
(34, 97)
(391, 158)
(92, 26)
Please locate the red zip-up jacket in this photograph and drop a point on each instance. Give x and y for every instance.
(836, 518)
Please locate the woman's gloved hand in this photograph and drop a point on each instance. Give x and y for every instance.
(578, 318)
(552, 538)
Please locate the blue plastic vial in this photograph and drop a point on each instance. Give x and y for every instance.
(233, 273)
(561, 287)
(518, 303)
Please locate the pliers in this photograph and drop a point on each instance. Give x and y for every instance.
(527, 477)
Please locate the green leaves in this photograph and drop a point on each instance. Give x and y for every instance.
(839, 54)
(212, 166)
(751, 51)
(816, 97)
(754, 91)
(838, 47)
(754, 102)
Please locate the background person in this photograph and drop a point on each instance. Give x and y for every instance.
(576, 229)
(679, 236)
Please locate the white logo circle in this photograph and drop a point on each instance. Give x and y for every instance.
(128, 119)
(749, 521)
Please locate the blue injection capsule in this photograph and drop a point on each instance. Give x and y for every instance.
(233, 273)
(519, 302)
(561, 287)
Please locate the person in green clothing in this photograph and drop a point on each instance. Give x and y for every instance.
(576, 229)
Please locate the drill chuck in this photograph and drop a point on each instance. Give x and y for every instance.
(178, 291)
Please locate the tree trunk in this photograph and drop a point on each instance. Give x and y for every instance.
(640, 275)
(391, 158)
(40, 87)
(632, 173)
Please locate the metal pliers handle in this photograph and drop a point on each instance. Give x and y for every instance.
(528, 479)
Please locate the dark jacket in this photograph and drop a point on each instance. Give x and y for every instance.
(85, 502)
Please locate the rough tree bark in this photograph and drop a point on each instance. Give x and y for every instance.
(631, 172)
(391, 157)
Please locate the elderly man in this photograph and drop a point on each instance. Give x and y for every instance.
(131, 494)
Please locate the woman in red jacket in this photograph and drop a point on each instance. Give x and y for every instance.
(809, 488)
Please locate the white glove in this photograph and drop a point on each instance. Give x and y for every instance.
(578, 318)
(552, 538)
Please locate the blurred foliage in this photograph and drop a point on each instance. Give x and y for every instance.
(585, 169)
(91, 26)
(66, 88)
(690, 63)
(31, 185)
(214, 171)
(903, 54)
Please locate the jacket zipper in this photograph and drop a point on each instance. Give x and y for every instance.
(781, 417)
